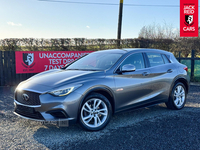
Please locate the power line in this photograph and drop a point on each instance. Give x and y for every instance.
(89, 3)
(78, 2)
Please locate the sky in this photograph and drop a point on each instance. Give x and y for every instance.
(39, 19)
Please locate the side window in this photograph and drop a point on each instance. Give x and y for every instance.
(136, 60)
(168, 56)
(155, 59)
(165, 59)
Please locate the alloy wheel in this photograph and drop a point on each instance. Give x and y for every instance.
(179, 96)
(94, 113)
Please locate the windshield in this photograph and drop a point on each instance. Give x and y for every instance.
(95, 61)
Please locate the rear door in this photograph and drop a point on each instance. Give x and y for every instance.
(162, 73)
(132, 87)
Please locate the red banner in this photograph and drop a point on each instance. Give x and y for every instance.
(34, 62)
(189, 18)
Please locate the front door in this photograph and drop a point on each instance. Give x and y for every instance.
(134, 87)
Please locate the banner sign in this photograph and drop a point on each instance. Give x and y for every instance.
(38, 61)
(188, 18)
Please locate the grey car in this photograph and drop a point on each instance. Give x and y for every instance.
(93, 88)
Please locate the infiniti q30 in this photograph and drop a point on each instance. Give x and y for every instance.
(93, 88)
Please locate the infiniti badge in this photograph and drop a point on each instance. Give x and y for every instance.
(25, 97)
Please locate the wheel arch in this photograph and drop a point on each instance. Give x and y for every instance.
(182, 80)
(170, 103)
(101, 90)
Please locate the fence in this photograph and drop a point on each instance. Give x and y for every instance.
(193, 64)
(8, 74)
(9, 77)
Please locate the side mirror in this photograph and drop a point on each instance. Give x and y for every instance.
(128, 68)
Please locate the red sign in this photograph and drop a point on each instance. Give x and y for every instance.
(189, 18)
(34, 62)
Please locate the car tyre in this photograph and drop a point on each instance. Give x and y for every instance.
(177, 97)
(95, 112)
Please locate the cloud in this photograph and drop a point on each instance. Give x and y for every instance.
(14, 24)
(88, 27)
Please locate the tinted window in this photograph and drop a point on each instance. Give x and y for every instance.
(168, 56)
(136, 60)
(155, 59)
(165, 59)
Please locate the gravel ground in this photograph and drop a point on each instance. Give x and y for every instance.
(148, 128)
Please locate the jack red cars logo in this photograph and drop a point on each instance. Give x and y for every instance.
(28, 60)
(38, 61)
(189, 18)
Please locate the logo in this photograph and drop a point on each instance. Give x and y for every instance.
(189, 20)
(28, 58)
(25, 97)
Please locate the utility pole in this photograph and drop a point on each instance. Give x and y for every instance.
(119, 23)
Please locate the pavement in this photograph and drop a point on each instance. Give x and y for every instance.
(154, 128)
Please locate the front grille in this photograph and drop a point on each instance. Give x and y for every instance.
(32, 100)
(28, 112)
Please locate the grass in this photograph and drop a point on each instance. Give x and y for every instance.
(196, 77)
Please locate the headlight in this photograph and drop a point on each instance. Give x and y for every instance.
(64, 92)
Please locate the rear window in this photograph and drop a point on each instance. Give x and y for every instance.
(166, 60)
(168, 56)
(155, 59)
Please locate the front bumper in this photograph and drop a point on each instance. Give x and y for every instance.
(51, 108)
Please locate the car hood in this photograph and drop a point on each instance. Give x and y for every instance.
(52, 79)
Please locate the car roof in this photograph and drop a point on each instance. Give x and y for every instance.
(145, 50)
(121, 51)
(130, 50)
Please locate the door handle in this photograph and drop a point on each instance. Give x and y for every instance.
(145, 73)
(169, 71)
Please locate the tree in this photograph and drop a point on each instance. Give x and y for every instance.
(157, 31)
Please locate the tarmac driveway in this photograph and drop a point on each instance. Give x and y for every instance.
(148, 128)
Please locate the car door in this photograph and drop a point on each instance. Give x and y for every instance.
(132, 87)
(162, 73)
